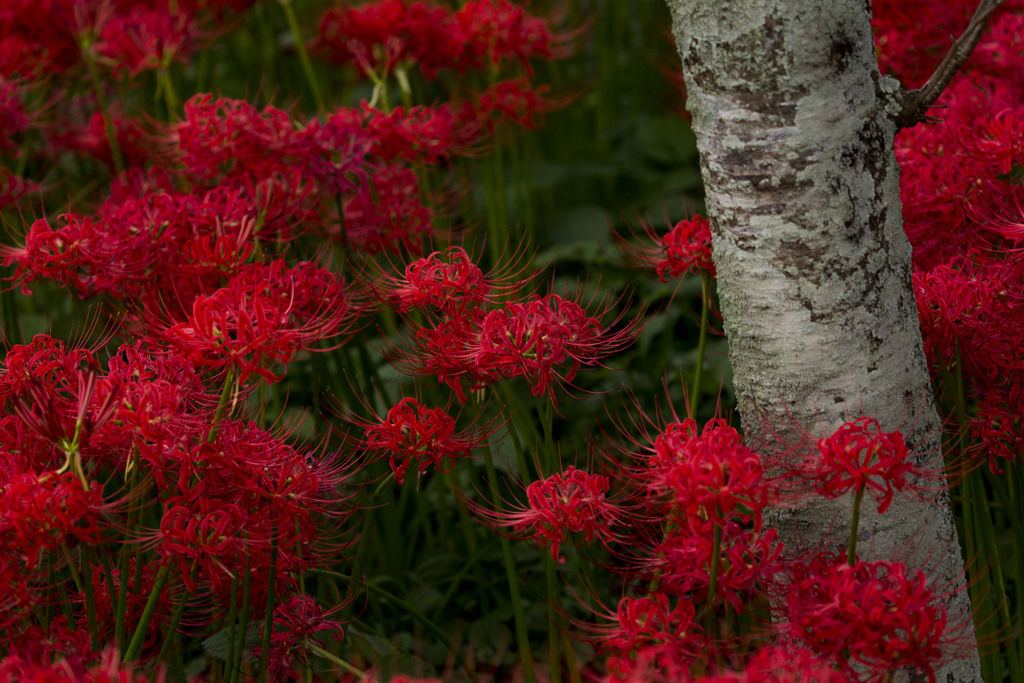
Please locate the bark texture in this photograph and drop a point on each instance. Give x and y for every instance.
(795, 128)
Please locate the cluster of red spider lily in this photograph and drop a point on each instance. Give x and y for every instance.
(144, 503)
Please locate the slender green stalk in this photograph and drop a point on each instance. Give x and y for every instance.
(515, 594)
(222, 406)
(229, 654)
(851, 546)
(166, 85)
(101, 98)
(702, 340)
(415, 613)
(172, 628)
(236, 664)
(90, 602)
(268, 614)
(139, 638)
(300, 47)
(324, 654)
(554, 639)
(123, 558)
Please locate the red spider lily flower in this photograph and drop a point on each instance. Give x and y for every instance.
(547, 340)
(378, 36)
(105, 598)
(421, 135)
(201, 532)
(498, 30)
(517, 101)
(345, 30)
(231, 140)
(41, 413)
(447, 282)
(87, 134)
(263, 316)
(43, 360)
(236, 330)
(60, 255)
(38, 654)
(13, 119)
(654, 636)
(686, 248)
(876, 615)
(294, 627)
(712, 476)
(568, 502)
(412, 432)
(40, 512)
(860, 456)
(999, 428)
(145, 39)
(748, 561)
(775, 664)
(13, 188)
(387, 214)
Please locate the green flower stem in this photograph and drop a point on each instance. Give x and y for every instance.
(550, 458)
(554, 644)
(166, 85)
(515, 594)
(851, 546)
(172, 628)
(268, 614)
(10, 311)
(218, 415)
(300, 46)
(1013, 653)
(229, 654)
(90, 602)
(384, 484)
(124, 556)
(497, 205)
(702, 340)
(139, 638)
(990, 557)
(236, 665)
(412, 611)
(716, 561)
(108, 123)
(324, 654)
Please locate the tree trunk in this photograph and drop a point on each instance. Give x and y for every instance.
(795, 128)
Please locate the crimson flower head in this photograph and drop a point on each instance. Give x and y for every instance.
(748, 561)
(41, 512)
(295, 624)
(447, 282)
(653, 639)
(775, 664)
(515, 100)
(711, 475)
(875, 615)
(568, 502)
(145, 38)
(860, 456)
(264, 316)
(687, 249)
(546, 339)
(413, 432)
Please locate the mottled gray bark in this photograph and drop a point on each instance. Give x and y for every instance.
(795, 130)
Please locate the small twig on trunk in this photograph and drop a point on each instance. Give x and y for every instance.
(917, 102)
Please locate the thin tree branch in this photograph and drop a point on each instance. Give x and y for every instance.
(917, 102)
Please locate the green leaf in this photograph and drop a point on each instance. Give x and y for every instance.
(667, 140)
